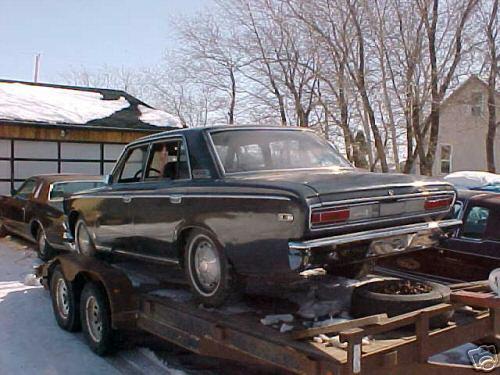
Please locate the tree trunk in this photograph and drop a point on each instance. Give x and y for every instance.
(232, 102)
(492, 123)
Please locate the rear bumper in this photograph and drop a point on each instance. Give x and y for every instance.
(374, 234)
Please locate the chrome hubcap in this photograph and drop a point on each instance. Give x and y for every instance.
(93, 318)
(84, 243)
(62, 298)
(41, 242)
(207, 265)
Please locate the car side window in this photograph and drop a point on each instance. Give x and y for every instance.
(457, 209)
(131, 169)
(167, 161)
(26, 189)
(475, 223)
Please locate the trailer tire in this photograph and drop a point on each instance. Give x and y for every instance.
(205, 264)
(83, 240)
(64, 301)
(366, 302)
(96, 319)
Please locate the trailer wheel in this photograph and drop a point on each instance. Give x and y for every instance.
(96, 319)
(64, 302)
(44, 250)
(207, 269)
(83, 241)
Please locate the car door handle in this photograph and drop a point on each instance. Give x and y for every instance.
(127, 199)
(175, 199)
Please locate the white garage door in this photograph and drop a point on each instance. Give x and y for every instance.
(22, 159)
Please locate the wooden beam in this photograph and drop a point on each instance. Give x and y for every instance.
(338, 327)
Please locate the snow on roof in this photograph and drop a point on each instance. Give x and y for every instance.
(157, 117)
(472, 179)
(53, 105)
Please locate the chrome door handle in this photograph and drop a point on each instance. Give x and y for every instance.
(175, 199)
(127, 199)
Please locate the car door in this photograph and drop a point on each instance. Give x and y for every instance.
(475, 235)
(15, 208)
(157, 207)
(114, 226)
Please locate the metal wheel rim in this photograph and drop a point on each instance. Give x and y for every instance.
(207, 266)
(62, 299)
(41, 241)
(93, 318)
(84, 243)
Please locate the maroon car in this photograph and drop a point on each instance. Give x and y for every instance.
(35, 210)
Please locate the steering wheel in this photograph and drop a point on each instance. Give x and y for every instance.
(154, 170)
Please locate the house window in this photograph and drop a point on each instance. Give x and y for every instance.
(445, 160)
(477, 103)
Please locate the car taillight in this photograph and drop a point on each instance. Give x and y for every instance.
(330, 216)
(437, 203)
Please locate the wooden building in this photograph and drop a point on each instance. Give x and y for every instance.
(65, 129)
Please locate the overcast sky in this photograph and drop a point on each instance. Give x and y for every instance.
(89, 33)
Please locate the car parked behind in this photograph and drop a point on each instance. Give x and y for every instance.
(35, 210)
(480, 232)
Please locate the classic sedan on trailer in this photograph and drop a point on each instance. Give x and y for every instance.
(226, 203)
(35, 210)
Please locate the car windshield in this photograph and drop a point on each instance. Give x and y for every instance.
(61, 190)
(267, 150)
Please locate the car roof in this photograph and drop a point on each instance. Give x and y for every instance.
(215, 128)
(486, 199)
(63, 177)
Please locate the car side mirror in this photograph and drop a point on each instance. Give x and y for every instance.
(108, 179)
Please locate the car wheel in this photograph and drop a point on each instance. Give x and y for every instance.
(207, 269)
(3, 231)
(44, 250)
(64, 302)
(83, 241)
(96, 319)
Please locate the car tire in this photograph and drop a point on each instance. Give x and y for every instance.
(96, 319)
(207, 269)
(64, 301)
(83, 241)
(3, 231)
(44, 250)
(365, 301)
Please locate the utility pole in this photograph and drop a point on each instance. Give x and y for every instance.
(37, 67)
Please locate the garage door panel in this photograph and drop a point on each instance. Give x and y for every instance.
(25, 169)
(4, 169)
(112, 151)
(35, 150)
(4, 188)
(85, 168)
(80, 151)
(4, 148)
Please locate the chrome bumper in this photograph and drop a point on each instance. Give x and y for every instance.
(374, 234)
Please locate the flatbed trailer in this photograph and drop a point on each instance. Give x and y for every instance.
(399, 345)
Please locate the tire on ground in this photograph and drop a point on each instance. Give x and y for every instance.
(44, 251)
(65, 302)
(366, 302)
(225, 287)
(96, 319)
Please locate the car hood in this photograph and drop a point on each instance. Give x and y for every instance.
(330, 185)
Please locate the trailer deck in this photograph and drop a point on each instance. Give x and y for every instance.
(380, 345)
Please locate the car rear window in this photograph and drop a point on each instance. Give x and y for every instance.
(61, 190)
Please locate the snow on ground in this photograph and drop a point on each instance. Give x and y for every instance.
(54, 105)
(157, 117)
(31, 342)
